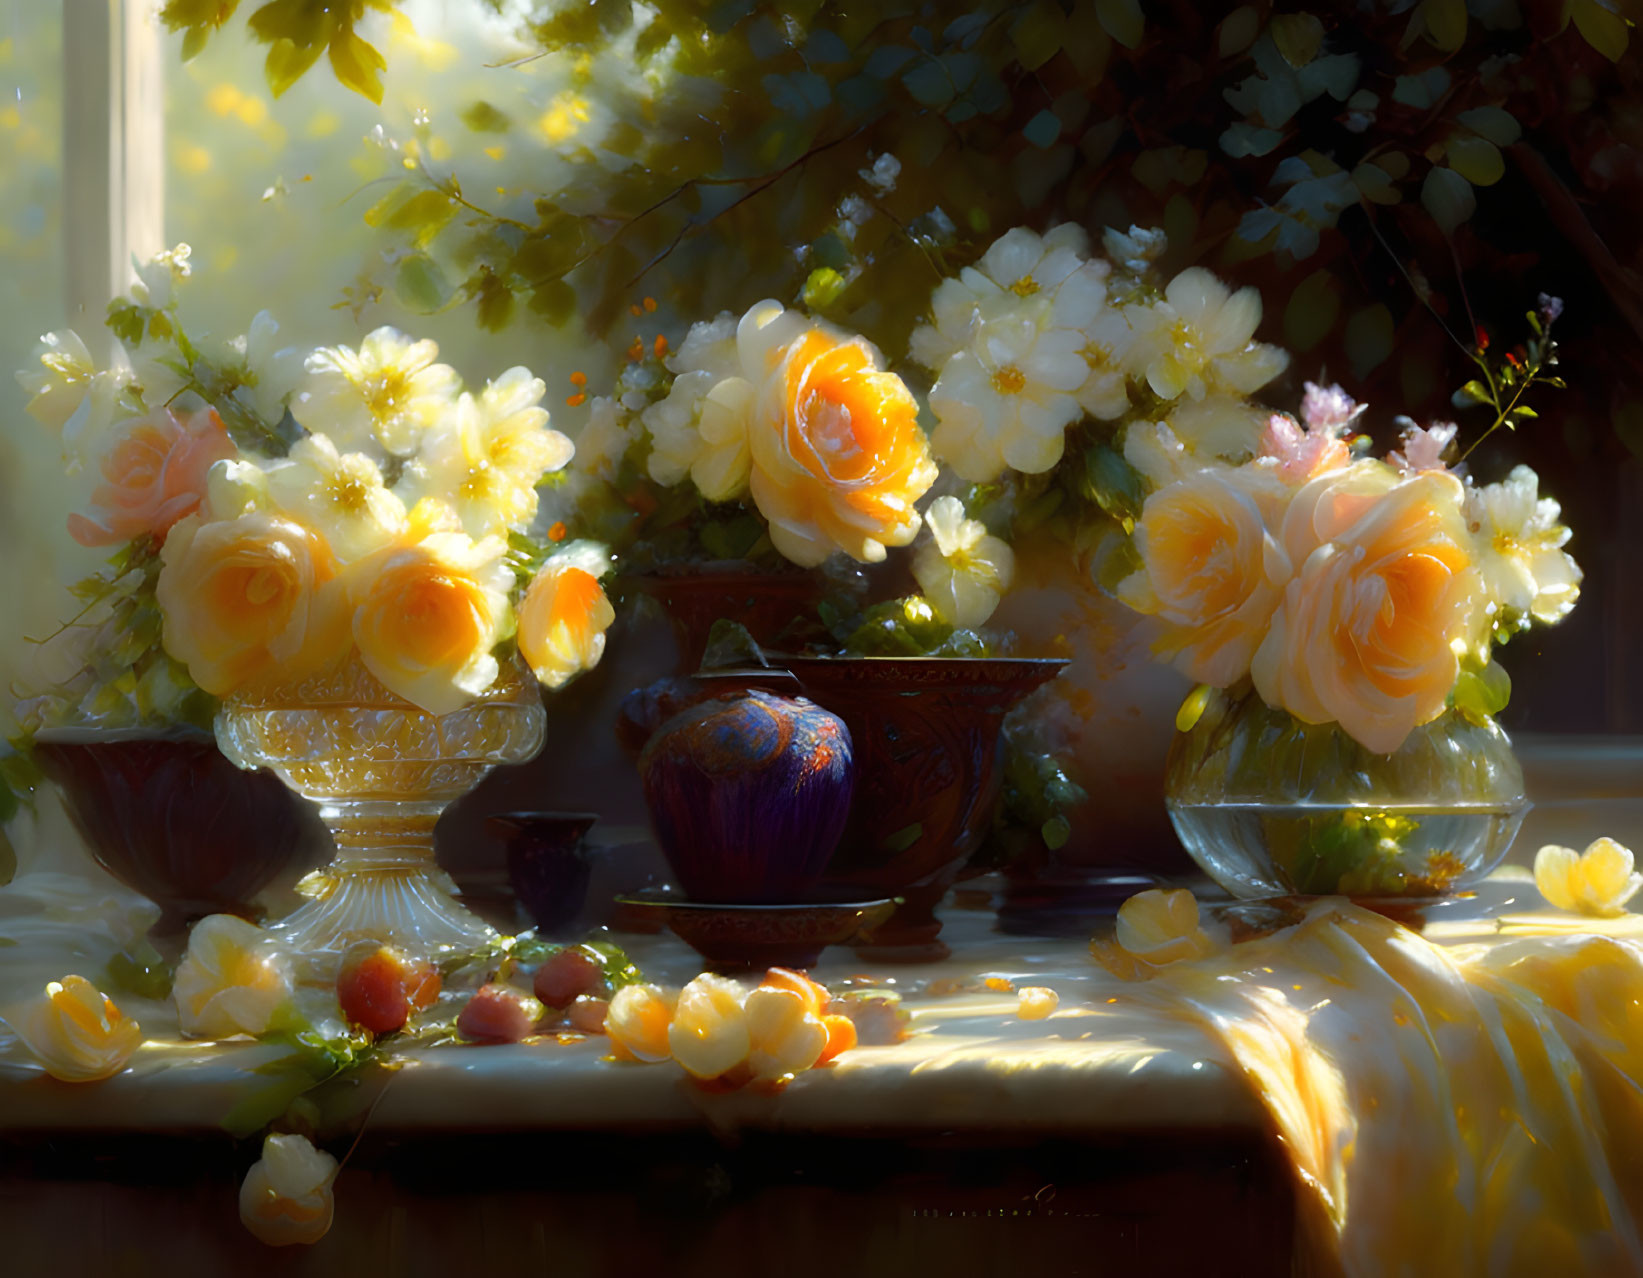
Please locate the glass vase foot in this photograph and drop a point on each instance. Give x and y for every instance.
(412, 907)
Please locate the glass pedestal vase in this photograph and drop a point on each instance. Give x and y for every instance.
(381, 770)
(1270, 806)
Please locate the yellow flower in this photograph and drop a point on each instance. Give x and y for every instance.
(637, 1021)
(487, 457)
(339, 496)
(709, 1034)
(1036, 1002)
(1160, 926)
(1211, 571)
(427, 612)
(838, 457)
(564, 615)
(1199, 338)
(286, 1197)
(76, 1032)
(962, 570)
(250, 599)
(1598, 881)
(785, 1034)
(234, 979)
(1364, 635)
(386, 394)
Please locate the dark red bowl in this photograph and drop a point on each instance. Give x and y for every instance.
(171, 818)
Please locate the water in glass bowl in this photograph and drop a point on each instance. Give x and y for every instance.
(1275, 849)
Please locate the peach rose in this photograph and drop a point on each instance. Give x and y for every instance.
(1364, 634)
(562, 621)
(427, 613)
(838, 456)
(250, 599)
(156, 473)
(1211, 572)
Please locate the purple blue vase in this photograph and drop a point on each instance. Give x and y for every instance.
(748, 794)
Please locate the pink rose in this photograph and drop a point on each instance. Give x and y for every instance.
(156, 473)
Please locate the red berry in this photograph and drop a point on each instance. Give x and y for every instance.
(566, 975)
(372, 991)
(497, 1014)
(588, 1014)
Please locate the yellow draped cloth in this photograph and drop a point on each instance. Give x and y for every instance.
(1448, 1110)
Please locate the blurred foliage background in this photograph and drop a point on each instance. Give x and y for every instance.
(515, 178)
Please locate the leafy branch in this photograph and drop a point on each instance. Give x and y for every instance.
(1508, 377)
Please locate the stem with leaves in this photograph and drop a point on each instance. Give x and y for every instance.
(1506, 380)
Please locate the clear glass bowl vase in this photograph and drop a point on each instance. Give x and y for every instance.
(1270, 806)
(381, 770)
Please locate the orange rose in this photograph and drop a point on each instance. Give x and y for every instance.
(1211, 572)
(838, 457)
(428, 612)
(250, 599)
(1364, 634)
(562, 621)
(156, 473)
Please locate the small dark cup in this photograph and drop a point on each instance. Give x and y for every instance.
(548, 864)
(748, 794)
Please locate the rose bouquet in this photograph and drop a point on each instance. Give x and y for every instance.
(327, 557)
(277, 510)
(1340, 613)
(777, 443)
(1046, 356)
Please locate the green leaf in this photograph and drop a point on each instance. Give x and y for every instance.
(1601, 27)
(1476, 159)
(1122, 20)
(425, 214)
(903, 838)
(194, 43)
(495, 301)
(1055, 832)
(1522, 413)
(1298, 36)
(286, 63)
(1112, 483)
(1375, 183)
(1038, 34)
(1482, 693)
(420, 284)
(554, 301)
(1444, 22)
(1448, 198)
(1474, 392)
(618, 968)
(482, 117)
(1313, 308)
(1238, 31)
(8, 802)
(822, 288)
(1043, 130)
(1492, 122)
(357, 64)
